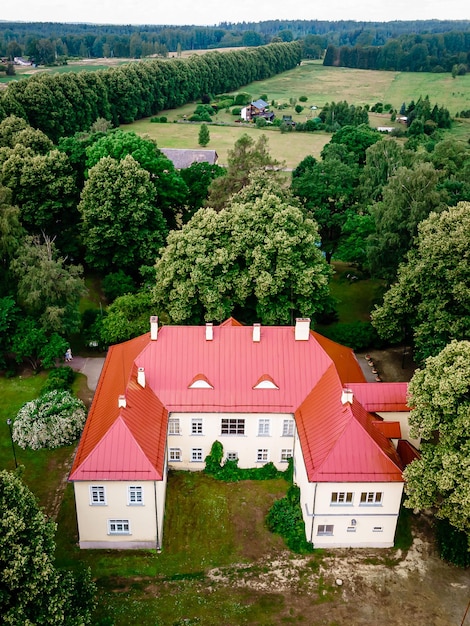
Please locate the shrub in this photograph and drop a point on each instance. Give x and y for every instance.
(285, 518)
(242, 98)
(356, 335)
(117, 284)
(60, 378)
(54, 419)
(159, 120)
(303, 99)
(236, 111)
(299, 108)
(230, 472)
(260, 122)
(453, 544)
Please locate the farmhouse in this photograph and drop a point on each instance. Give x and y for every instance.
(258, 108)
(267, 394)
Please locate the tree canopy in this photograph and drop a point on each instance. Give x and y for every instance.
(440, 396)
(430, 302)
(257, 259)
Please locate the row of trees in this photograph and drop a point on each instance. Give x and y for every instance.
(46, 41)
(408, 53)
(62, 104)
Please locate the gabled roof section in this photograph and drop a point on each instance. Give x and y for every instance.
(183, 158)
(339, 442)
(260, 104)
(265, 382)
(344, 358)
(386, 397)
(392, 430)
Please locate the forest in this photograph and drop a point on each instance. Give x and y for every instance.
(49, 43)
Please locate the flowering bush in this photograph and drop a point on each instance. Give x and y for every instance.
(53, 420)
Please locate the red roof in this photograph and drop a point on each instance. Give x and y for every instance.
(339, 442)
(392, 430)
(386, 397)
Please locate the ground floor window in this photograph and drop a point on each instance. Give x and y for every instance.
(175, 454)
(196, 454)
(325, 529)
(286, 454)
(262, 455)
(232, 456)
(118, 527)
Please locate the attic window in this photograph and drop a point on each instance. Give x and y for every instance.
(200, 382)
(265, 382)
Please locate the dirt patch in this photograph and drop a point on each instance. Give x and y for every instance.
(393, 365)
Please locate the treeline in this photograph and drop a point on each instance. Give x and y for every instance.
(440, 52)
(62, 104)
(49, 42)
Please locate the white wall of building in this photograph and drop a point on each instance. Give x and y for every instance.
(114, 521)
(265, 437)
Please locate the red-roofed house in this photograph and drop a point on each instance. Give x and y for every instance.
(267, 394)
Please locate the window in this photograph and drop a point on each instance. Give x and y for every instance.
(288, 428)
(196, 426)
(175, 454)
(377, 529)
(174, 426)
(233, 426)
(341, 497)
(118, 527)
(196, 455)
(371, 497)
(97, 495)
(262, 455)
(135, 495)
(232, 456)
(286, 454)
(325, 529)
(263, 427)
(351, 529)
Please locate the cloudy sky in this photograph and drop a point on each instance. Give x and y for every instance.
(210, 12)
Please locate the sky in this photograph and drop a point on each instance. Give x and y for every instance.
(212, 12)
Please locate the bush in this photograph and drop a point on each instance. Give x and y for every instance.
(230, 472)
(299, 108)
(236, 111)
(159, 120)
(285, 518)
(303, 99)
(117, 284)
(453, 544)
(355, 335)
(260, 122)
(60, 378)
(54, 419)
(242, 98)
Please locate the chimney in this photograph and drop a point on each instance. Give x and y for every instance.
(122, 402)
(347, 396)
(302, 329)
(209, 331)
(256, 332)
(154, 328)
(141, 376)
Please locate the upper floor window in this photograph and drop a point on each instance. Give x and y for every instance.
(97, 494)
(341, 497)
(288, 428)
(135, 495)
(196, 426)
(196, 455)
(174, 426)
(233, 426)
(263, 427)
(371, 497)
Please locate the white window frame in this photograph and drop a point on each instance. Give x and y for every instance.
(119, 527)
(264, 427)
(342, 498)
(286, 454)
(371, 498)
(378, 529)
(196, 426)
(174, 455)
(232, 456)
(197, 455)
(135, 495)
(288, 427)
(232, 426)
(262, 455)
(98, 495)
(325, 529)
(174, 426)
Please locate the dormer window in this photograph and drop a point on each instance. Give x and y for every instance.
(200, 382)
(265, 382)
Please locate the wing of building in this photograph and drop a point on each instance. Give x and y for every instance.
(267, 393)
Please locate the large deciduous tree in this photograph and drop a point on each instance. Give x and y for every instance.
(32, 589)
(123, 228)
(430, 301)
(440, 397)
(257, 259)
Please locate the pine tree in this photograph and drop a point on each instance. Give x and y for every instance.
(204, 136)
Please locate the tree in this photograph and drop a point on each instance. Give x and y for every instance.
(31, 343)
(430, 301)
(246, 157)
(257, 259)
(357, 139)
(408, 198)
(440, 397)
(48, 289)
(122, 226)
(33, 590)
(198, 178)
(204, 135)
(127, 317)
